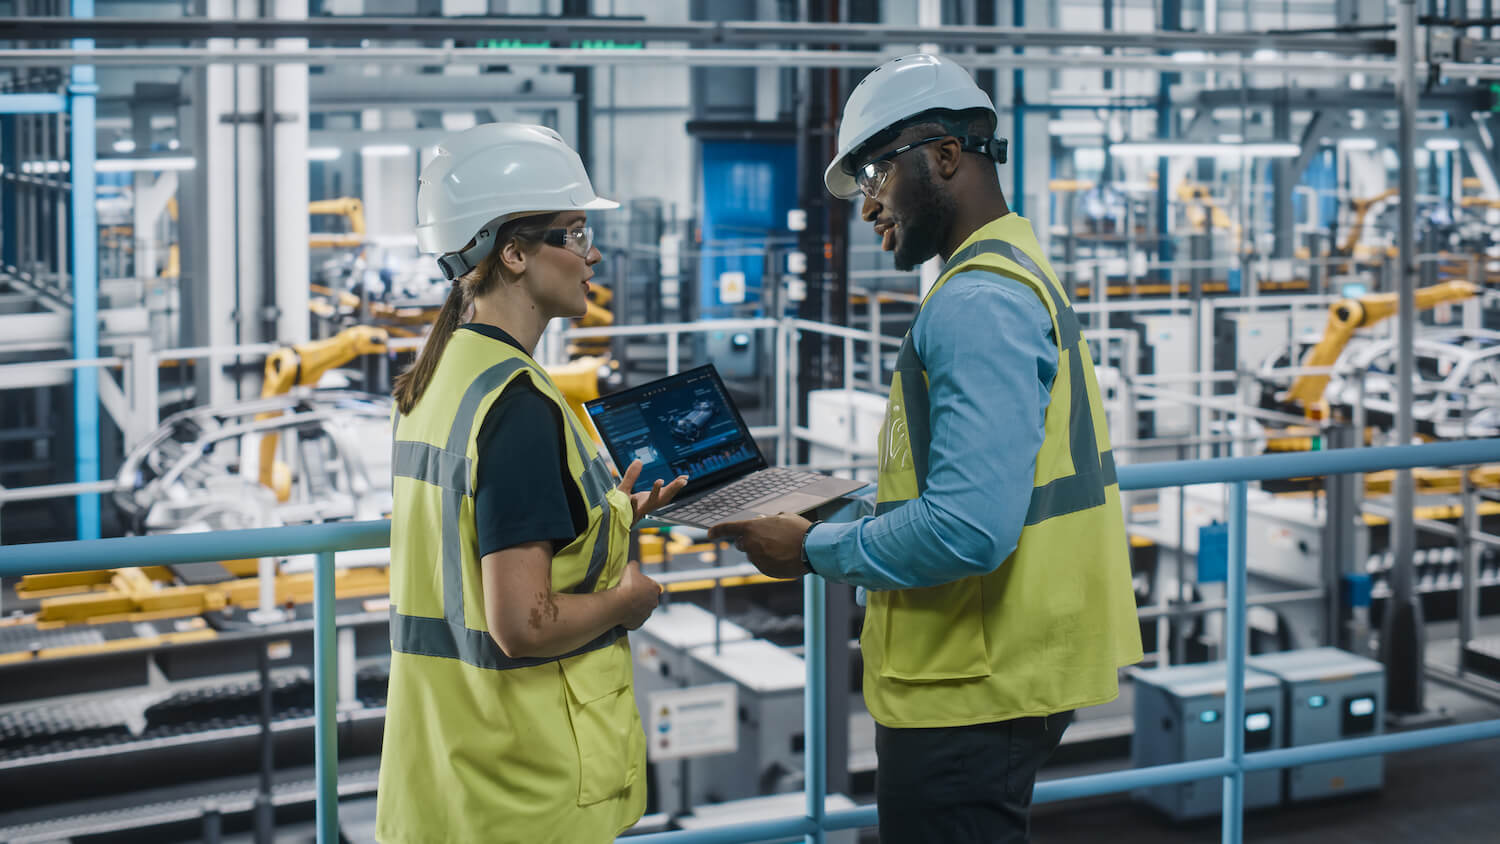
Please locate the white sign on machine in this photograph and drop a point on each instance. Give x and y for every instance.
(696, 721)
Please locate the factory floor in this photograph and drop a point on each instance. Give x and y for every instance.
(1435, 795)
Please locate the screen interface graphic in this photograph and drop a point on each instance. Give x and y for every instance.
(683, 427)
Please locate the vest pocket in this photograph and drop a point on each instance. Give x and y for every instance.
(606, 726)
(936, 633)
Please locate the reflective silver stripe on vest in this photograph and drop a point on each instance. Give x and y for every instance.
(918, 408)
(430, 464)
(1067, 320)
(596, 485)
(415, 634)
(450, 637)
(1092, 471)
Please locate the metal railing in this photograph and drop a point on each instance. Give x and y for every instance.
(324, 540)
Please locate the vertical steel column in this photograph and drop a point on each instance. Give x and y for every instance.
(81, 90)
(814, 703)
(1234, 649)
(1171, 21)
(1402, 637)
(1018, 119)
(325, 699)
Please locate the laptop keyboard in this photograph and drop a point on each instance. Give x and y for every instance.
(728, 500)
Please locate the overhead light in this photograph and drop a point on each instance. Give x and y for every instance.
(1089, 158)
(1265, 54)
(124, 145)
(323, 153)
(173, 144)
(45, 166)
(1443, 144)
(1357, 144)
(1190, 56)
(1154, 149)
(1075, 127)
(135, 165)
(385, 150)
(1231, 139)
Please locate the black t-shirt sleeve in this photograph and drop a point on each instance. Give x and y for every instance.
(523, 493)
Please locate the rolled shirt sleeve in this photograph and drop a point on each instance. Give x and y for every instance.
(987, 343)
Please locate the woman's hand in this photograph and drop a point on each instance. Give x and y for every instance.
(639, 595)
(645, 503)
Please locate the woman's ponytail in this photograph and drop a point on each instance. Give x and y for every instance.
(409, 385)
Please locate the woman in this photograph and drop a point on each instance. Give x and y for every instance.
(510, 715)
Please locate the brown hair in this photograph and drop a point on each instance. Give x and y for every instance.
(528, 233)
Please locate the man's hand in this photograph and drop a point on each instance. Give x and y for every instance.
(645, 503)
(773, 543)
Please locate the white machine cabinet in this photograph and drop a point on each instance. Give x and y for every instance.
(1329, 695)
(1179, 717)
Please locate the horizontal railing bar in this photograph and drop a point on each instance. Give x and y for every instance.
(1307, 464)
(171, 548)
(1372, 745)
(85, 555)
(773, 830)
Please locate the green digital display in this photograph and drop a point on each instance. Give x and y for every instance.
(594, 44)
(1495, 96)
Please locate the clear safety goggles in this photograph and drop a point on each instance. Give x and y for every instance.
(579, 241)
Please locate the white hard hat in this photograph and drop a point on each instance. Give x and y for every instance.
(492, 173)
(899, 89)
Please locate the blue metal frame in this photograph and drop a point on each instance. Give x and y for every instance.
(85, 264)
(1018, 119)
(17, 560)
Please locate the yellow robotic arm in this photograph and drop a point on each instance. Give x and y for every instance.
(1348, 315)
(302, 365)
(1362, 209)
(350, 209)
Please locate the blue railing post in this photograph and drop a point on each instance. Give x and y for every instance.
(1234, 653)
(81, 91)
(814, 704)
(325, 699)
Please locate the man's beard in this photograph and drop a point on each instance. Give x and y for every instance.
(922, 231)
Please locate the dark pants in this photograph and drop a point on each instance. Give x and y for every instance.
(962, 785)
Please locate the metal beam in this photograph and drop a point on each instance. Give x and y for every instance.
(433, 56)
(715, 33)
(1402, 641)
(31, 103)
(85, 269)
(1379, 99)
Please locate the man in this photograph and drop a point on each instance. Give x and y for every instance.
(998, 577)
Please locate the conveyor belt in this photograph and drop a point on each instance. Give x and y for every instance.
(25, 638)
(1482, 656)
(114, 721)
(187, 809)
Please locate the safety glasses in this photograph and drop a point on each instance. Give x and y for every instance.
(579, 240)
(872, 175)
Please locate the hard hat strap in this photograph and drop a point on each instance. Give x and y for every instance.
(455, 264)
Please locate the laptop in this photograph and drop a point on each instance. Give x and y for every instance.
(687, 424)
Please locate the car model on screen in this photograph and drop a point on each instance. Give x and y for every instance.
(692, 424)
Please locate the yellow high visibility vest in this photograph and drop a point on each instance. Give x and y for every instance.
(1047, 630)
(479, 746)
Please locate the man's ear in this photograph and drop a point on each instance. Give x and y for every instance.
(946, 157)
(512, 257)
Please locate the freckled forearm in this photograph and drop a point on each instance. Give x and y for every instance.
(556, 623)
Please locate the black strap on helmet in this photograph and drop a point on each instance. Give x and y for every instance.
(997, 149)
(455, 264)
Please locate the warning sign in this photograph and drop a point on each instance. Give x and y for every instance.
(697, 721)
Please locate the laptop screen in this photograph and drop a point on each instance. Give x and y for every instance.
(681, 424)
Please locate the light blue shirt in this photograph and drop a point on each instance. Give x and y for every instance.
(986, 341)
